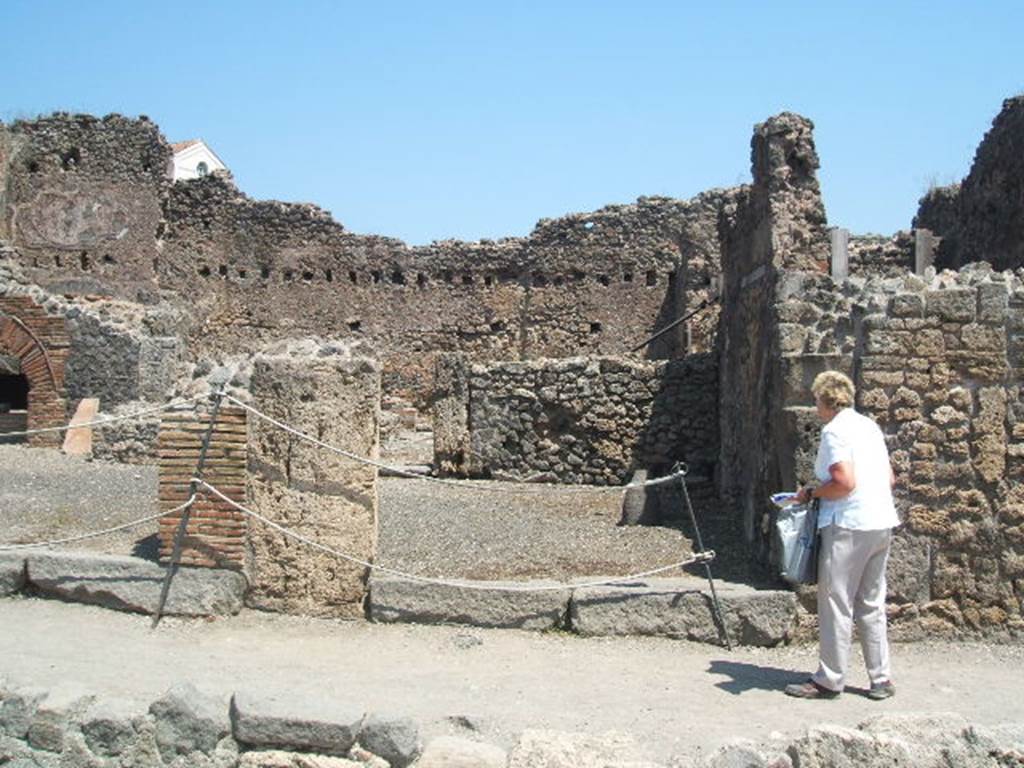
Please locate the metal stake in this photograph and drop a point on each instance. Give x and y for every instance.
(723, 633)
(179, 533)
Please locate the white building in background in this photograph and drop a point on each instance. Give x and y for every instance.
(193, 159)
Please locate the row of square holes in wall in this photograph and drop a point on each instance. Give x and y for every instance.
(84, 261)
(397, 277)
(497, 326)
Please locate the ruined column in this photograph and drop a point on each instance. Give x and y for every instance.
(450, 400)
(924, 250)
(320, 495)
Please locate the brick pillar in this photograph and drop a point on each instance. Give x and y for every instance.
(323, 496)
(215, 537)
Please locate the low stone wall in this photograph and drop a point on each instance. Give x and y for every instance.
(577, 420)
(186, 727)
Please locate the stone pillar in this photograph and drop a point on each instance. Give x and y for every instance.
(450, 401)
(840, 239)
(321, 495)
(924, 250)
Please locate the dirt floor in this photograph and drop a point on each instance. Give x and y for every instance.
(677, 698)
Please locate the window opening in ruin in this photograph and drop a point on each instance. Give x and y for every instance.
(497, 326)
(353, 277)
(329, 275)
(33, 166)
(264, 272)
(467, 279)
(13, 393)
(588, 225)
(627, 277)
(652, 277)
(577, 275)
(289, 275)
(69, 160)
(83, 260)
(242, 274)
(539, 281)
(56, 261)
(559, 281)
(108, 259)
(397, 277)
(595, 327)
(421, 280)
(488, 280)
(355, 325)
(603, 280)
(376, 275)
(202, 169)
(222, 270)
(204, 271)
(307, 276)
(448, 276)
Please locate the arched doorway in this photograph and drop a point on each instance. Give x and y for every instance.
(33, 347)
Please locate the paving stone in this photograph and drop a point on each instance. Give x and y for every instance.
(395, 600)
(133, 584)
(293, 724)
(396, 739)
(453, 752)
(188, 721)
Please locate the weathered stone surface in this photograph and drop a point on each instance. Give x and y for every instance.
(453, 752)
(744, 753)
(281, 759)
(17, 708)
(55, 713)
(322, 391)
(396, 739)
(132, 584)
(682, 608)
(188, 721)
(294, 725)
(556, 749)
(396, 600)
(12, 573)
(109, 731)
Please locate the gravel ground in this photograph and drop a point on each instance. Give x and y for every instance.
(523, 531)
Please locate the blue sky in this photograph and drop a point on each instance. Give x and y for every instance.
(474, 119)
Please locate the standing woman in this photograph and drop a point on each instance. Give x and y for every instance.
(855, 520)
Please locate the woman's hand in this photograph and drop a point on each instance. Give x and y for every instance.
(804, 494)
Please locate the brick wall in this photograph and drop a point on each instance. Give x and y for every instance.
(40, 342)
(216, 531)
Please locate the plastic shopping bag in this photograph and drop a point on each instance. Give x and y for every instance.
(796, 529)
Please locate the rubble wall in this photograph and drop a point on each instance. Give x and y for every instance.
(584, 420)
(982, 218)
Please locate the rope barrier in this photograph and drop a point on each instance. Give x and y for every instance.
(460, 584)
(110, 419)
(96, 534)
(462, 484)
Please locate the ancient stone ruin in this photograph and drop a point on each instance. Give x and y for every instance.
(532, 354)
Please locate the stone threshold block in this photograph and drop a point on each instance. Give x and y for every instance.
(132, 584)
(396, 600)
(682, 608)
(295, 724)
(12, 572)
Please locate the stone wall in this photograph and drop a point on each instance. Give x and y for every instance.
(578, 420)
(982, 218)
(777, 224)
(323, 391)
(881, 255)
(938, 364)
(82, 201)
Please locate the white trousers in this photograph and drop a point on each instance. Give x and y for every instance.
(851, 588)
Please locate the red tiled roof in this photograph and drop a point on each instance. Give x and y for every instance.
(180, 145)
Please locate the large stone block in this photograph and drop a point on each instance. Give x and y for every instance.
(297, 724)
(955, 305)
(397, 600)
(683, 608)
(321, 495)
(450, 402)
(188, 721)
(132, 584)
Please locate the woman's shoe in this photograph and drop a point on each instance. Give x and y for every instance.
(810, 690)
(883, 690)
